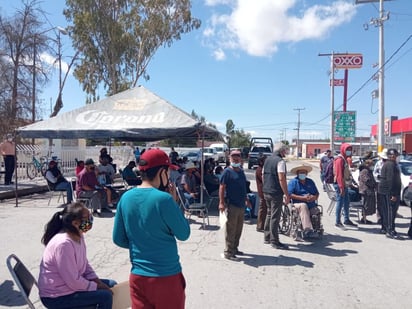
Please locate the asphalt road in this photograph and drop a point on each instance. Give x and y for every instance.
(357, 268)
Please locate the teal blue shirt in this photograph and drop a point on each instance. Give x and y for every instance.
(148, 222)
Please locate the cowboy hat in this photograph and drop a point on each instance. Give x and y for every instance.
(384, 153)
(190, 165)
(302, 167)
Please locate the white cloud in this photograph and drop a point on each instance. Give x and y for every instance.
(52, 61)
(259, 27)
(219, 54)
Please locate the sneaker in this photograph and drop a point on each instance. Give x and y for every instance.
(340, 226)
(310, 234)
(260, 230)
(110, 205)
(382, 231)
(106, 210)
(231, 257)
(392, 235)
(239, 252)
(266, 242)
(349, 223)
(280, 246)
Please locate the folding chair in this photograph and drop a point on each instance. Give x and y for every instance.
(197, 208)
(22, 277)
(25, 280)
(53, 193)
(330, 191)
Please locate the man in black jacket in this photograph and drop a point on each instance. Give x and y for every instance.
(275, 192)
(389, 189)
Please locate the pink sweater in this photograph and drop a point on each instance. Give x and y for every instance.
(64, 268)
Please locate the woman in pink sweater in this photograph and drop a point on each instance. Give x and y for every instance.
(66, 279)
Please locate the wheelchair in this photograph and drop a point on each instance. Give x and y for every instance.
(291, 225)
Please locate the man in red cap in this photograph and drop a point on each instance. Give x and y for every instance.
(233, 199)
(148, 221)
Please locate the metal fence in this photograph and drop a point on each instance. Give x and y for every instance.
(27, 154)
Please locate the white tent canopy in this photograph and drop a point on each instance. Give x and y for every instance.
(136, 114)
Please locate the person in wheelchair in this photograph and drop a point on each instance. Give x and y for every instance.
(304, 196)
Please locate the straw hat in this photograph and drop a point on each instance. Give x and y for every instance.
(302, 167)
(384, 153)
(190, 165)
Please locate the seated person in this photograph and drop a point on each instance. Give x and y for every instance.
(105, 171)
(57, 182)
(304, 194)
(79, 167)
(66, 279)
(130, 176)
(87, 186)
(219, 171)
(189, 183)
(211, 182)
(175, 174)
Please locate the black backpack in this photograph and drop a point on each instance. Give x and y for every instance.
(328, 173)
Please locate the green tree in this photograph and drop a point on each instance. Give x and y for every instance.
(117, 39)
(230, 127)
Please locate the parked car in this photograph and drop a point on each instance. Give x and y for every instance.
(222, 151)
(194, 155)
(210, 152)
(406, 173)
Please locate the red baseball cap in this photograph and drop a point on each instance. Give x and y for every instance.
(153, 158)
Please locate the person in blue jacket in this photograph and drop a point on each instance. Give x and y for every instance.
(148, 221)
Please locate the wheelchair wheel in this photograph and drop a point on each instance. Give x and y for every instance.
(285, 220)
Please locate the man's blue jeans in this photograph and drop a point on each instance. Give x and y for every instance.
(102, 298)
(65, 186)
(342, 202)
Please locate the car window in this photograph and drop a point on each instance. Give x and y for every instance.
(261, 149)
(406, 168)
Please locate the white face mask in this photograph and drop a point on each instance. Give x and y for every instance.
(398, 159)
(10, 139)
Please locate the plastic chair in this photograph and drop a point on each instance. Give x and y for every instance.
(330, 191)
(22, 277)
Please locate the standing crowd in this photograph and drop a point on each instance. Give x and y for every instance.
(149, 219)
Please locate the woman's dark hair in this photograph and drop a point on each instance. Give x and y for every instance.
(150, 174)
(62, 221)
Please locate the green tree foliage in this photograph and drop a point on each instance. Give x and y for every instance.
(117, 39)
(237, 138)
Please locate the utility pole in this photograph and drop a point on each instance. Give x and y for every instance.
(332, 99)
(298, 129)
(378, 22)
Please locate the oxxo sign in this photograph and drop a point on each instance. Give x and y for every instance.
(348, 61)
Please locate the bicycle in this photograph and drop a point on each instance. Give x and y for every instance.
(36, 167)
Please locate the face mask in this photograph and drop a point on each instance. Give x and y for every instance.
(10, 139)
(398, 159)
(163, 186)
(348, 153)
(235, 164)
(302, 176)
(86, 225)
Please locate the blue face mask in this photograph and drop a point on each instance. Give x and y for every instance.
(348, 153)
(302, 176)
(235, 164)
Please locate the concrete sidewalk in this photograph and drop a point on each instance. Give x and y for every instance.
(357, 268)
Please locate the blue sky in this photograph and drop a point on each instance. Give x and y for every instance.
(256, 62)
